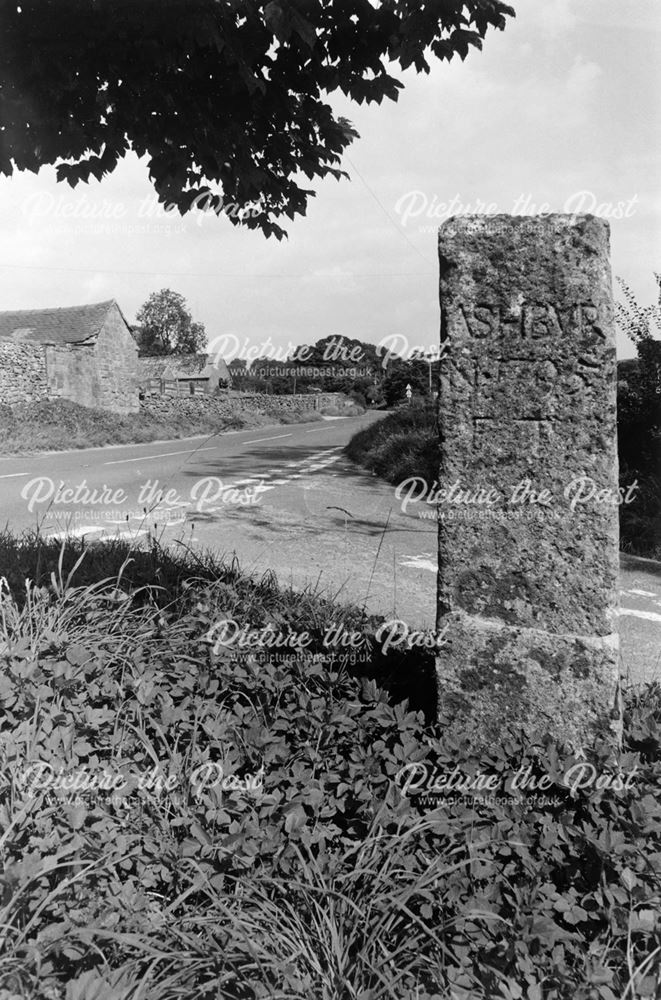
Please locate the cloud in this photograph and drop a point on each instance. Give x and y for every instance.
(556, 17)
(582, 79)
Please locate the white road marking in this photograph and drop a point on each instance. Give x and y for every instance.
(130, 536)
(275, 438)
(420, 562)
(164, 454)
(649, 616)
(76, 532)
(314, 456)
(328, 461)
(14, 475)
(320, 460)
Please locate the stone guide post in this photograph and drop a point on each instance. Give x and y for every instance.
(528, 546)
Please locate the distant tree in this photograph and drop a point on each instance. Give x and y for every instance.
(343, 355)
(402, 373)
(335, 350)
(226, 99)
(165, 326)
(639, 424)
(637, 322)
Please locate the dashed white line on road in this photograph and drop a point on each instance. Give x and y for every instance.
(420, 562)
(164, 454)
(322, 465)
(275, 438)
(649, 616)
(90, 529)
(320, 460)
(75, 532)
(310, 458)
(130, 535)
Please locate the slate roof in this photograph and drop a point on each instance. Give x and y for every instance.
(70, 325)
(152, 367)
(187, 365)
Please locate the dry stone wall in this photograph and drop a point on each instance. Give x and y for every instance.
(229, 403)
(23, 377)
(302, 401)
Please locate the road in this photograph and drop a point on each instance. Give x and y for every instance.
(640, 619)
(290, 502)
(284, 499)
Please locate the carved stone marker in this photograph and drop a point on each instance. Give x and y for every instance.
(528, 546)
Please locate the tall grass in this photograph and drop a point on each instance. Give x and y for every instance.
(403, 444)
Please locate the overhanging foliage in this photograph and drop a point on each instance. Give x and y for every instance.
(226, 99)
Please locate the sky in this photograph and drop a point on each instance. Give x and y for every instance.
(559, 112)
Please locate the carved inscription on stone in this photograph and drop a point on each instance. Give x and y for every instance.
(526, 321)
(527, 396)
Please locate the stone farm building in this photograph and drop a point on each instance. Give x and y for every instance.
(83, 353)
(181, 374)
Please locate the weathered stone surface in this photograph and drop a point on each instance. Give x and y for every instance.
(23, 376)
(528, 590)
(232, 404)
(38, 361)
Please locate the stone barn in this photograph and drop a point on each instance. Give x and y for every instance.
(83, 353)
(181, 374)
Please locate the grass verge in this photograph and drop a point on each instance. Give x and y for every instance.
(184, 817)
(62, 425)
(405, 443)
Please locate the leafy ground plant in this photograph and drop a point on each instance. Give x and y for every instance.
(259, 833)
